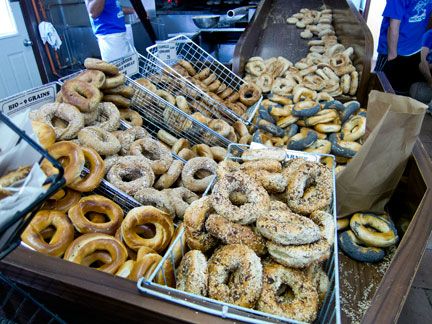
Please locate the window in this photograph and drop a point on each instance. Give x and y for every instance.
(7, 21)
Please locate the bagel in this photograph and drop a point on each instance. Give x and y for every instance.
(192, 274)
(243, 291)
(304, 200)
(81, 94)
(355, 249)
(302, 306)
(354, 128)
(301, 141)
(385, 233)
(258, 200)
(230, 233)
(98, 64)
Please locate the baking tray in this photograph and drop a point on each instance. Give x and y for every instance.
(329, 312)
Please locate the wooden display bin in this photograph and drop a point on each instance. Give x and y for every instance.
(369, 293)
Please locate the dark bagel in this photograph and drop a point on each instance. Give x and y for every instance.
(300, 142)
(306, 108)
(343, 148)
(350, 108)
(352, 247)
(269, 127)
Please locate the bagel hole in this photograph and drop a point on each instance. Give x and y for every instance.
(146, 231)
(309, 187)
(201, 174)
(232, 277)
(96, 217)
(82, 93)
(150, 155)
(238, 198)
(48, 233)
(59, 123)
(97, 259)
(131, 176)
(248, 94)
(285, 294)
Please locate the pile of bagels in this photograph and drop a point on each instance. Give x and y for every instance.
(299, 110)
(265, 225)
(365, 236)
(101, 148)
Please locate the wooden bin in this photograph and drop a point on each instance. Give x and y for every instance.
(269, 35)
(80, 294)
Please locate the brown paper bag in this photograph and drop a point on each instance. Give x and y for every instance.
(393, 126)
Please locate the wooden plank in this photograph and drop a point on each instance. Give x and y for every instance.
(116, 298)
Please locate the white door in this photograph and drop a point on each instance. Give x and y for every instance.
(18, 66)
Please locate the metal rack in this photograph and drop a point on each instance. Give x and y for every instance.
(168, 52)
(328, 313)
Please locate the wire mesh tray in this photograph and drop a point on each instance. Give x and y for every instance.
(168, 53)
(329, 311)
(11, 229)
(158, 113)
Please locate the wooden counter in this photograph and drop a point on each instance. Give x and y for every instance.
(369, 293)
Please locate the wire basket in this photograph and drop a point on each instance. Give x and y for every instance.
(328, 313)
(168, 53)
(17, 306)
(158, 113)
(10, 230)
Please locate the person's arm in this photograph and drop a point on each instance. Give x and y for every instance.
(95, 7)
(392, 38)
(128, 10)
(424, 65)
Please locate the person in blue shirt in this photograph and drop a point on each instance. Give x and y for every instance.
(422, 91)
(108, 24)
(404, 22)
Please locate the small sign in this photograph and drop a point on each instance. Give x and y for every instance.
(290, 154)
(129, 65)
(32, 99)
(167, 51)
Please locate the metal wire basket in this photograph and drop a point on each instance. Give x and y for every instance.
(17, 306)
(10, 231)
(168, 53)
(328, 313)
(158, 113)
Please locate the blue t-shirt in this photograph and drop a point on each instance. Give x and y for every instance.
(111, 20)
(414, 16)
(427, 42)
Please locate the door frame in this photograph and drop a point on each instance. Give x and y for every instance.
(33, 33)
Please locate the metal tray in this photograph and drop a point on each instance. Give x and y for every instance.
(329, 312)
